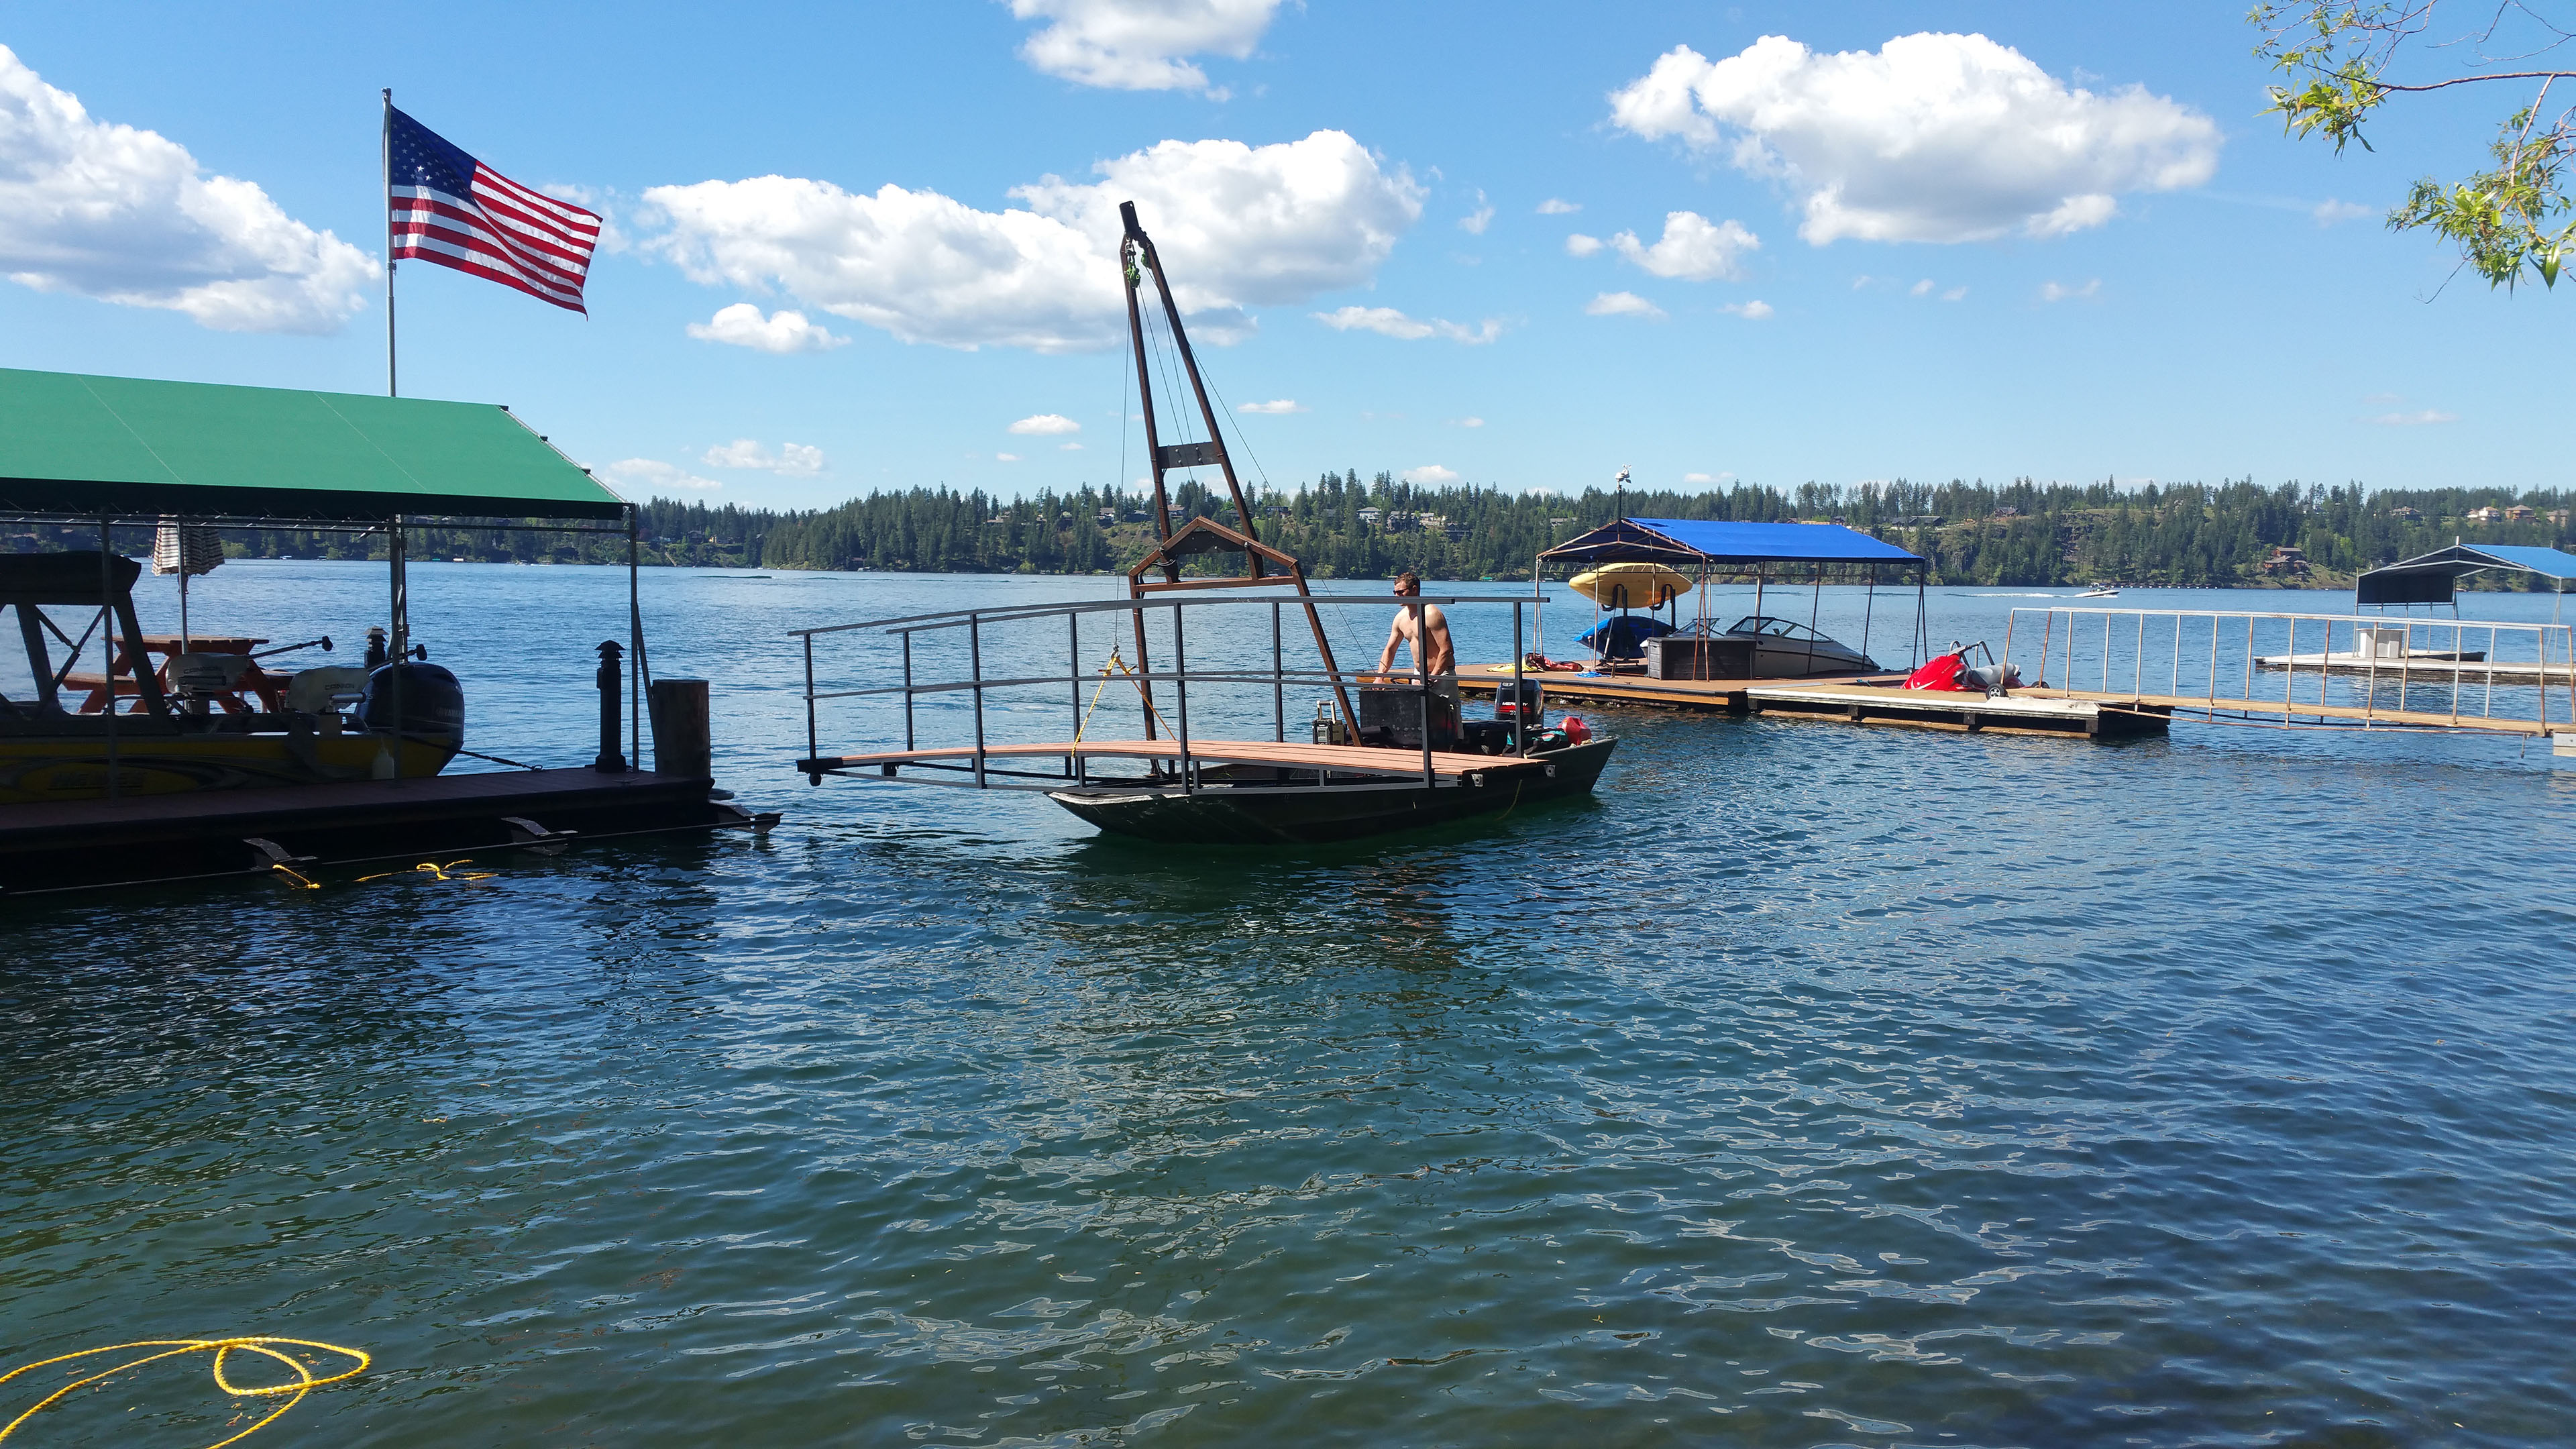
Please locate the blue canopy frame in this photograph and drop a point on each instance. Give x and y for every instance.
(1706, 546)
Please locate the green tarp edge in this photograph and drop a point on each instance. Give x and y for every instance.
(72, 443)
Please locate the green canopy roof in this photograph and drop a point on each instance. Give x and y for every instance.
(76, 444)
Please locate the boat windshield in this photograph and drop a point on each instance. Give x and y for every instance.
(1774, 628)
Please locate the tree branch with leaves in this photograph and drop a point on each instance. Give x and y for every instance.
(2342, 59)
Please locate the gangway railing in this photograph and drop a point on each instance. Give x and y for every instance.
(978, 686)
(2335, 670)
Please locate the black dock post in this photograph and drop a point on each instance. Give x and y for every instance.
(612, 677)
(681, 742)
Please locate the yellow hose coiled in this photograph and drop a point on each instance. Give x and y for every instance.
(305, 1381)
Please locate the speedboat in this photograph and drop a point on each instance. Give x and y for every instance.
(1785, 649)
(2100, 591)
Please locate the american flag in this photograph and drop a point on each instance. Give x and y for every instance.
(446, 207)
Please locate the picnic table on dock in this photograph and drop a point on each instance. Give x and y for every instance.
(270, 689)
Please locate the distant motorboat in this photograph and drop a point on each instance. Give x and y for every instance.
(2100, 591)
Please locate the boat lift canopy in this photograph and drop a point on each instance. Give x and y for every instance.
(1701, 541)
(89, 450)
(1706, 547)
(2431, 578)
(82, 445)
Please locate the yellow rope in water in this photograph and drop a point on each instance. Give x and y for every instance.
(1114, 662)
(305, 1381)
(435, 870)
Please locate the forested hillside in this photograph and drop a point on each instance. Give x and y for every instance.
(1344, 526)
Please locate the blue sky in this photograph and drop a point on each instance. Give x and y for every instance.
(2072, 250)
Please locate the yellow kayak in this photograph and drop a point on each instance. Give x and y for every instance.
(1632, 585)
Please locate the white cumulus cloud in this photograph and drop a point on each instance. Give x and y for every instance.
(1579, 245)
(1708, 477)
(1471, 422)
(1554, 207)
(2060, 292)
(642, 474)
(1045, 424)
(782, 331)
(1932, 137)
(793, 460)
(1475, 222)
(2330, 211)
(1006, 457)
(127, 216)
(1623, 304)
(1275, 406)
(1392, 323)
(1753, 311)
(1140, 45)
(1430, 473)
(2426, 418)
(1238, 226)
(1692, 248)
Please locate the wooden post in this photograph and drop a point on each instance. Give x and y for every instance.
(681, 742)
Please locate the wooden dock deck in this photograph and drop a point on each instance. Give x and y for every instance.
(2084, 713)
(1636, 691)
(84, 843)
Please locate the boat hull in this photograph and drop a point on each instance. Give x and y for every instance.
(40, 769)
(1233, 814)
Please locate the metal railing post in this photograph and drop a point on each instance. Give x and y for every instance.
(1520, 696)
(1181, 695)
(1278, 682)
(907, 687)
(975, 668)
(1422, 673)
(813, 746)
(1073, 683)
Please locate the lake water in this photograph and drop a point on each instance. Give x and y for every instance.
(1810, 1086)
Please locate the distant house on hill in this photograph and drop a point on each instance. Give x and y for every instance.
(2007, 513)
(2486, 515)
(1920, 520)
(2409, 514)
(2557, 516)
(2287, 562)
(2517, 514)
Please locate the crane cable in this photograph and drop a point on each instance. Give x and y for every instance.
(305, 1380)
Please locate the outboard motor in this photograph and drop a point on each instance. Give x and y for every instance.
(433, 703)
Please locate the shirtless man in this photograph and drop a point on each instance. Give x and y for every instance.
(1443, 658)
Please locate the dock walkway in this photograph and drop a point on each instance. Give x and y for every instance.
(2100, 715)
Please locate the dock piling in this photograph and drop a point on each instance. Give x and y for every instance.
(683, 743)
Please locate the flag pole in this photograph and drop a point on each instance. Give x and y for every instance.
(385, 151)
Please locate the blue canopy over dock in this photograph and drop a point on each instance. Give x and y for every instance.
(1704, 542)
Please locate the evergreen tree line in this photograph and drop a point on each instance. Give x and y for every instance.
(1347, 526)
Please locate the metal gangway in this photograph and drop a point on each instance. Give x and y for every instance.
(2304, 671)
(998, 662)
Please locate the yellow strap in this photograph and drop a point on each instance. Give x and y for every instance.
(1114, 662)
(304, 1383)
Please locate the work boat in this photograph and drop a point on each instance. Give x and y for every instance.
(1785, 649)
(1385, 751)
(208, 719)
